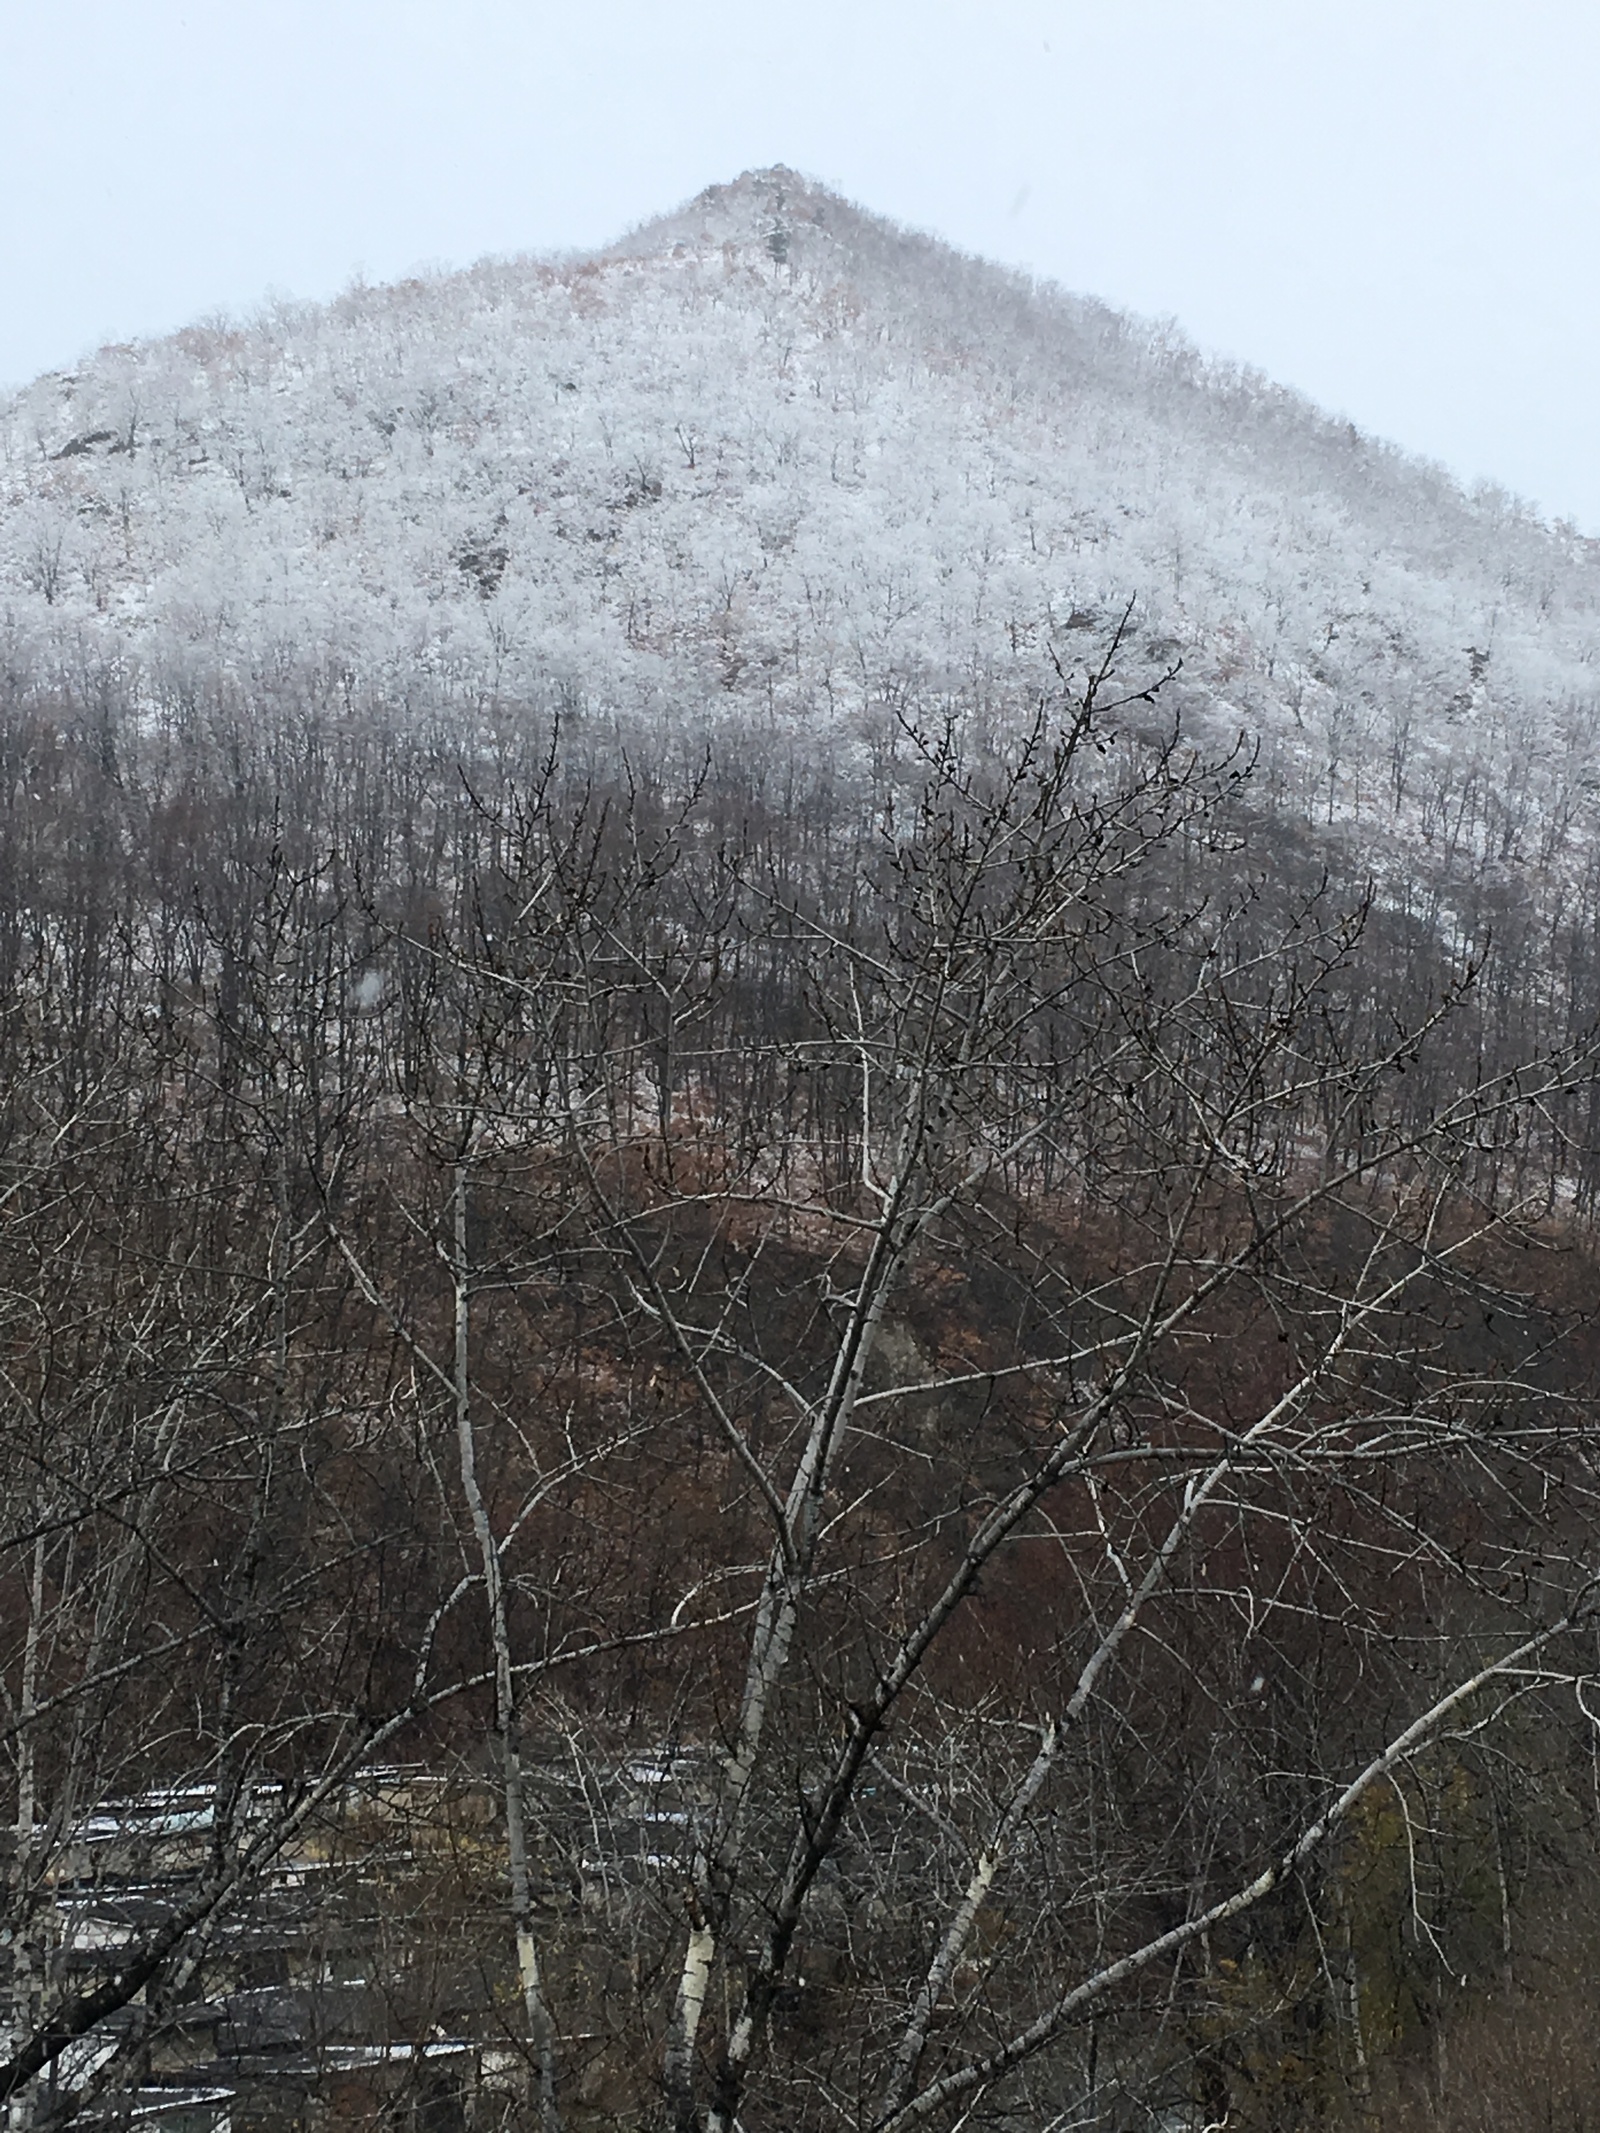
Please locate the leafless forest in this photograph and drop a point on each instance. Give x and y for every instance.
(749, 1448)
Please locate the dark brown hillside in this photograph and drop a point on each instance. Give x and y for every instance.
(946, 1432)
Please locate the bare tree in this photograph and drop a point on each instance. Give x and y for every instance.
(934, 1387)
(1118, 1124)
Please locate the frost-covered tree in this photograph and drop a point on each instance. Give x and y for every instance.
(681, 482)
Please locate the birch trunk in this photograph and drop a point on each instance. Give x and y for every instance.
(791, 1563)
(507, 1719)
(959, 1931)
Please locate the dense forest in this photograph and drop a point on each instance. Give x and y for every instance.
(772, 464)
(728, 1408)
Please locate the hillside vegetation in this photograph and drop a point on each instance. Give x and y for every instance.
(774, 462)
(799, 1064)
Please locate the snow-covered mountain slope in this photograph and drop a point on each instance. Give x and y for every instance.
(775, 461)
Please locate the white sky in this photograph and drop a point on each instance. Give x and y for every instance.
(1393, 204)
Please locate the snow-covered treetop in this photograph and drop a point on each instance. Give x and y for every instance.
(775, 462)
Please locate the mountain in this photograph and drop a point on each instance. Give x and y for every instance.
(697, 1444)
(776, 462)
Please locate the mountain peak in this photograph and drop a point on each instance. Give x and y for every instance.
(759, 207)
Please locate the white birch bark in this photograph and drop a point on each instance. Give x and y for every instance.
(541, 2030)
(788, 1570)
(965, 1917)
(979, 2074)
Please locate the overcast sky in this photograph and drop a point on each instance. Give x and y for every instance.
(1392, 204)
